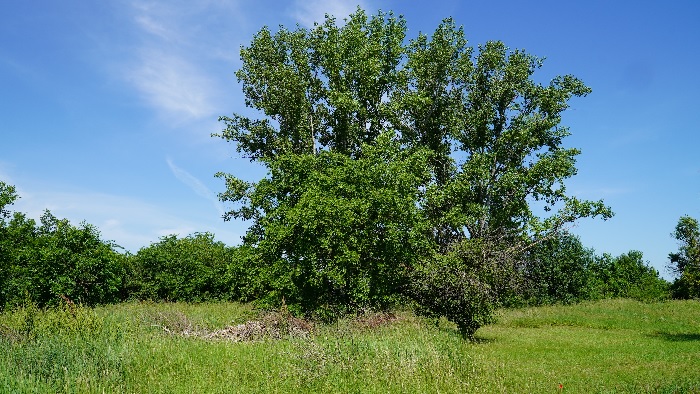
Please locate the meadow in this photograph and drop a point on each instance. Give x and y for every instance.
(609, 346)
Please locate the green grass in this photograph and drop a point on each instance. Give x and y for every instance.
(608, 346)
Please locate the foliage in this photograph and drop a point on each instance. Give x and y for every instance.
(324, 88)
(508, 144)
(53, 260)
(558, 269)
(687, 233)
(686, 262)
(688, 285)
(561, 270)
(329, 94)
(8, 195)
(337, 234)
(193, 268)
(628, 276)
(463, 285)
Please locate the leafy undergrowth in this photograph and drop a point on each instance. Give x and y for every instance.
(608, 346)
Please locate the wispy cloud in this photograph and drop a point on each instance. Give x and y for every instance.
(171, 62)
(172, 84)
(306, 12)
(196, 185)
(148, 24)
(178, 48)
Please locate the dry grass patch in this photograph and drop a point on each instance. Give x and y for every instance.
(269, 325)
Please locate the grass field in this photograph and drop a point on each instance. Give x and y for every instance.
(613, 346)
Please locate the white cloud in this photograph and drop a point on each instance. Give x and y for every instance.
(152, 26)
(162, 19)
(306, 12)
(171, 59)
(196, 185)
(172, 84)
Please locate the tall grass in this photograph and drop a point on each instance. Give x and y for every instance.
(608, 346)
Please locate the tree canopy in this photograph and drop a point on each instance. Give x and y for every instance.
(332, 97)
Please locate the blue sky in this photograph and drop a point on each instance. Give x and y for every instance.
(106, 108)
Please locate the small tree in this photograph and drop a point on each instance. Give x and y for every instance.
(686, 262)
(465, 285)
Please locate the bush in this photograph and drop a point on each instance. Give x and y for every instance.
(57, 260)
(557, 270)
(628, 276)
(465, 285)
(194, 268)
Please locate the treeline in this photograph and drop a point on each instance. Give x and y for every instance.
(562, 270)
(52, 261)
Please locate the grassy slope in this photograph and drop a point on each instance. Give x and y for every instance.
(609, 346)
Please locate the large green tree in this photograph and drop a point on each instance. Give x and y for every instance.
(333, 233)
(491, 135)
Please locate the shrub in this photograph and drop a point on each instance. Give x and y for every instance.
(56, 259)
(628, 276)
(464, 285)
(194, 268)
(557, 270)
